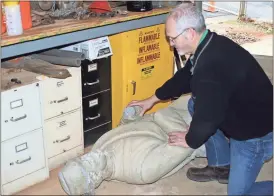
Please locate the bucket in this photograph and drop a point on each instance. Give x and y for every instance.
(139, 6)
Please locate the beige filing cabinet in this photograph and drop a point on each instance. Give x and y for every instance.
(23, 157)
(62, 106)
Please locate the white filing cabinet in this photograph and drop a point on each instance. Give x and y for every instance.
(23, 157)
(62, 103)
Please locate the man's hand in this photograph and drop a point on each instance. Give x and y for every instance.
(145, 104)
(177, 138)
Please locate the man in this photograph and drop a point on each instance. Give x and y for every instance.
(231, 95)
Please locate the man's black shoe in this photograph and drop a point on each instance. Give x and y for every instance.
(209, 173)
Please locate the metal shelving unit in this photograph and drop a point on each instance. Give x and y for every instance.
(62, 40)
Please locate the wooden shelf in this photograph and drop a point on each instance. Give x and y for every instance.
(69, 31)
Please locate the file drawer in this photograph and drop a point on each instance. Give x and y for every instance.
(63, 133)
(60, 159)
(91, 136)
(20, 111)
(62, 95)
(95, 76)
(96, 109)
(22, 155)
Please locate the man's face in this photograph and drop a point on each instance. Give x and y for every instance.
(180, 40)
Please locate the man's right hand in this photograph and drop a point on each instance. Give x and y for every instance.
(145, 104)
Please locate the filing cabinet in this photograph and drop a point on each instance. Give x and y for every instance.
(63, 119)
(63, 133)
(92, 135)
(96, 98)
(23, 155)
(96, 76)
(62, 95)
(96, 109)
(21, 111)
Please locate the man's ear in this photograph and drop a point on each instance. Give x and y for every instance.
(189, 34)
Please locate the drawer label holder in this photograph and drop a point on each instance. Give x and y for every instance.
(21, 147)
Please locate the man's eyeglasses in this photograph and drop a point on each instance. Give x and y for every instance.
(173, 39)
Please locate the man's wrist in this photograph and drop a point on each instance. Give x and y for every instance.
(154, 99)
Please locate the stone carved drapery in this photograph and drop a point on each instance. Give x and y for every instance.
(136, 152)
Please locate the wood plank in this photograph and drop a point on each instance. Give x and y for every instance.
(71, 25)
(25, 77)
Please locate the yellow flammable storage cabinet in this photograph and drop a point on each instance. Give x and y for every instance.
(142, 61)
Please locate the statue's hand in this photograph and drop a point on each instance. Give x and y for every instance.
(177, 138)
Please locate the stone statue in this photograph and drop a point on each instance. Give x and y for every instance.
(136, 152)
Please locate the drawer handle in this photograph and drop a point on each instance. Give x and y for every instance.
(134, 87)
(90, 84)
(60, 141)
(19, 118)
(23, 161)
(61, 100)
(93, 118)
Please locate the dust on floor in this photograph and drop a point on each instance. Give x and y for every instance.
(177, 184)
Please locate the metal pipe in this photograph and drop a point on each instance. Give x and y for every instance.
(242, 10)
(64, 53)
(73, 62)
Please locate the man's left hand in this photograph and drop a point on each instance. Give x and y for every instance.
(177, 138)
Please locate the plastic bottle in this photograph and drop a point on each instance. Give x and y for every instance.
(3, 20)
(13, 18)
(25, 9)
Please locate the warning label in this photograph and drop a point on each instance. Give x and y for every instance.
(149, 46)
(147, 72)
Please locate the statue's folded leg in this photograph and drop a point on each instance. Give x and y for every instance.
(163, 160)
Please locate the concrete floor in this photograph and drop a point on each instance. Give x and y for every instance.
(178, 184)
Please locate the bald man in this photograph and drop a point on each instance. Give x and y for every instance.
(232, 99)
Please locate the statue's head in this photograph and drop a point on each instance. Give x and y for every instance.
(82, 175)
(75, 180)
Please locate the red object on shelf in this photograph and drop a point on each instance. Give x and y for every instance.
(100, 6)
(26, 14)
(3, 21)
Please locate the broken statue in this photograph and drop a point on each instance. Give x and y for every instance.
(136, 152)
